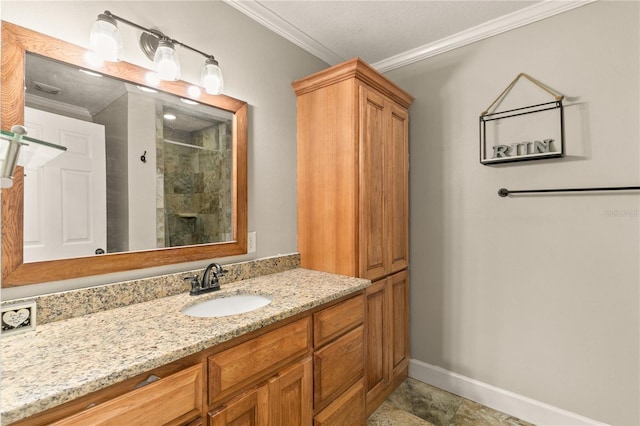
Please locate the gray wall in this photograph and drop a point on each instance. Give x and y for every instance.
(539, 294)
(258, 67)
(116, 144)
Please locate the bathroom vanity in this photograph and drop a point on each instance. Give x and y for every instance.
(300, 358)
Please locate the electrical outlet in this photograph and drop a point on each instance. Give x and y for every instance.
(251, 242)
(18, 317)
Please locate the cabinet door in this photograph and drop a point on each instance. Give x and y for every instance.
(397, 191)
(347, 409)
(387, 331)
(290, 396)
(250, 409)
(399, 293)
(373, 250)
(384, 186)
(377, 338)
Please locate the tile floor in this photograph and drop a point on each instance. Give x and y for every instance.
(416, 403)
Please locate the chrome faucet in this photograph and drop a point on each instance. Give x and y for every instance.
(209, 280)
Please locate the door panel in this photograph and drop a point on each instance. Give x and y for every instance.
(372, 185)
(65, 200)
(397, 191)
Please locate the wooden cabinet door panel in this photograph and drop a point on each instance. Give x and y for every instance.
(238, 367)
(397, 192)
(337, 366)
(376, 365)
(346, 410)
(372, 185)
(169, 401)
(251, 409)
(400, 321)
(290, 395)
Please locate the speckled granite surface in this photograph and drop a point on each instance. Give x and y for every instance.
(76, 303)
(66, 359)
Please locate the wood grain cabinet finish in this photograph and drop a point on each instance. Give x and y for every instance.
(353, 128)
(338, 363)
(284, 400)
(249, 409)
(346, 410)
(174, 400)
(387, 337)
(337, 366)
(257, 359)
(353, 202)
(336, 320)
(291, 396)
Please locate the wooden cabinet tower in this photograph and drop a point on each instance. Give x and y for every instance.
(353, 202)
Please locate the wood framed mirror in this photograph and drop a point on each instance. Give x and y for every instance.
(17, 43)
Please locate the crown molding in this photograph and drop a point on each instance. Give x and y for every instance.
(491, 28)
(522, 17)
(275, 23)
(53, 105)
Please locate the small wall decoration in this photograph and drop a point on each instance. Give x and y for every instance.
(18, 318)
(522, 133)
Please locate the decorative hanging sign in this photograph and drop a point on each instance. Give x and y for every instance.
(524, 133)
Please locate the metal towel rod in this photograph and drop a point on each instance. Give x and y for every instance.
(504, 192)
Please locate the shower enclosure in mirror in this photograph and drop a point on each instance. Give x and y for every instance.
(148, 179)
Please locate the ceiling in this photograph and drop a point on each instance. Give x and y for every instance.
(62, 89)
(393, 33)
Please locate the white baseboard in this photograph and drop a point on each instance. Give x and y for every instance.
(508, 402)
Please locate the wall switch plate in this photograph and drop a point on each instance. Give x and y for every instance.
(251, 242)
(18, 317)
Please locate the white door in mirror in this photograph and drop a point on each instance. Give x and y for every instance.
(225, 306)
(65, 200)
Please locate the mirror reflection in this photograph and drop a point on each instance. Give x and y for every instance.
(142, 170)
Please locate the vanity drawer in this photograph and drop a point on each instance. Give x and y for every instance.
(236, 368)
(347, 409)
(337, 320)
(337, 366)
(173, 400)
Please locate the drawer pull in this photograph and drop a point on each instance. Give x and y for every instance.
(152, 378)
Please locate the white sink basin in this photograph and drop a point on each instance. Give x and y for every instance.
(224, 306)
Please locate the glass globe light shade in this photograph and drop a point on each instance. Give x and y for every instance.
(166, 61)
(105, 39)
(211, 79)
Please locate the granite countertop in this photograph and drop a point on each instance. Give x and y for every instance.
(67, 359)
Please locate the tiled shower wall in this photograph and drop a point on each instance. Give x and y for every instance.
(194, 185)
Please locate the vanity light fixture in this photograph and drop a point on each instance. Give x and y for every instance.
(106, 41)
(18, 149)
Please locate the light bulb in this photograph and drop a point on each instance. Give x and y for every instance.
(166, 61)
(211, 79)
(152, 78)
(194, 91)
(105, 38)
